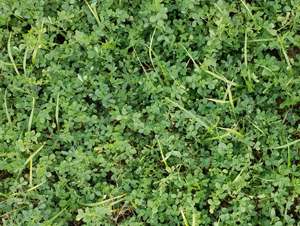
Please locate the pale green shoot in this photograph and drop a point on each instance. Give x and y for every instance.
(220, 101)
(53, 218)
(211, 128)
(285, 145)
(227, 24)
(257, 128)
(10, 55)
(108, 45)
(30, 177)
(233, 131)
(6, 111)
(286, 58)
(222, 78)
(194, 216)
(57, 111)
(30, 160)
(245, 50)
(94, 12)
(34, 154)
(262, 40)
(217, 137)
(31, 116)
(247, 83)
(189, 113)
(238, 176)
(270, 71)
(289, 154)
(209, 72)
(250, 13)
(225, 96)
(162, 154)
(142, 65)
(229, 34)
(156, 57)
(38, 44)
(103, 202)
(24, 60)
(5, 20)
(231, 101)
(30, 189)
(183, 216)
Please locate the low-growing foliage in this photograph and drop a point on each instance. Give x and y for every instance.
(149, 112)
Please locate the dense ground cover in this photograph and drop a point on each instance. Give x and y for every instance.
(149, 112)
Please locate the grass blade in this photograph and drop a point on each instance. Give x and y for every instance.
(285, 145)
(57, 30)
(162, 154)
(211, 128)
(108, 45)
(245, 50)
(102, 202)
(231, 101)
(258, 128)
(35, 186)
(230, 35)
(262, 40)
(13, 211)
(229, 27)
(270, 71)
(6, 111)
(151, 41)
(53, 218)
(286, 58)
(194, 216)
(57, 111)
(217, 137)
(233, 131)
(227, 24)
(222, 78)
(247, 83)
(150, 50)
(209, 72)
(115, 202)
(38, 45)
(156, 57)
(183, 216)
(159, 64)
(5, 20)
(190, 114)
(196, 65)
(250, 13)
(289, 154)
(24, 60)
(30, 176)
(31, 157)
(34, 154)
(220, 101)
(225, 96)
(31, 116)
(238, 176)
(142, 66)
(10, 55)
(26, 191)
(34, 54)
(94, 14)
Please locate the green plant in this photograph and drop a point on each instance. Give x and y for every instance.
(149, 112)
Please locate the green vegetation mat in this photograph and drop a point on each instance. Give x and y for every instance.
(154, 112)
